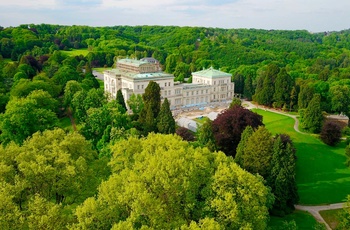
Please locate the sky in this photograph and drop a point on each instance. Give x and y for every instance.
(311, 15)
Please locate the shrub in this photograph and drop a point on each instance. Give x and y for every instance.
(330, 133)
(186, 134)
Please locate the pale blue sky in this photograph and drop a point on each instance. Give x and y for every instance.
(312, 15)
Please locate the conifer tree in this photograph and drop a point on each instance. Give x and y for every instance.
(313, 117)
(242, 144)
(120, 99)
(166, 122)
(283, 88)
(151, 108)
(205, 135)
(282, 175)
(248, 88)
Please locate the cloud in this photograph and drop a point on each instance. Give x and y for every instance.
(80, 3)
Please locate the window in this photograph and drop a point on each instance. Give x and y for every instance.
(169, 93)
(165, 84)
(138, 86)
(187, 93)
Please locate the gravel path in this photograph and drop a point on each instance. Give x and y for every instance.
(315, 211)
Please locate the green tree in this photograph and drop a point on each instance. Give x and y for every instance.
(150, 111)
(120, 99)
(248, 88)
(166, 122)
(340, 99)
(313, 117)
(344, 216)
(305, 95)
(22, 118)
(282, 176)
(45, 215)
(235, 101)
(70, 89)
(205, 135)
(248, 131)
(283, 87)
(162, 182)
(136, 104)
(258, 146)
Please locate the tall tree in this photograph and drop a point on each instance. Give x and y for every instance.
(248, 88)
(120, 99)
(258, 146)
(150, 111)
(282, 178)
(166, 122)
(305, 95)
(283, 87)
(313, 117)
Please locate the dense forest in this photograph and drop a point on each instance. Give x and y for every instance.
(111, 169)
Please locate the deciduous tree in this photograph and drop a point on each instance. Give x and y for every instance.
(230, 124)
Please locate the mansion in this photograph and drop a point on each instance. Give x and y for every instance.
(132, 77)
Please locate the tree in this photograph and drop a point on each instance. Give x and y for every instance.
(283, 87)
(282, 178)
(136, 104)
(331, 133)
(52, 164)
(258, 146)
(235, 101)
(22, 118)
(305, 95)
(340, 99)
(166, 122)
(71, 88)
(248, 131)
(275, 160)
(205, 135)
(162, 182)
(185, 134)
(248, 88)
(45, 215)
(120, 99)
(344, 216)
(150, 111)
(313, 117)
(229, 125)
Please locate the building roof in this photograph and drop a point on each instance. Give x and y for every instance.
(140, 76)
(132, 62)
(211, 73)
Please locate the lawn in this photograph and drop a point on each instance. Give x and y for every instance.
(331, 217)
(76, 52)
(302, 219)
(322, 176)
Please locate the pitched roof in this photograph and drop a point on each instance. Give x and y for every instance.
(211, 73)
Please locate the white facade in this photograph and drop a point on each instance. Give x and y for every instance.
(132, 77)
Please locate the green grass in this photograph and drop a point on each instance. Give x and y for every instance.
(331, 217)
(65, 124)
(302, 219)
(102, 69)
(76, 52)
(322, 176)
